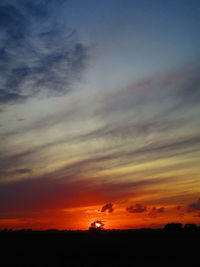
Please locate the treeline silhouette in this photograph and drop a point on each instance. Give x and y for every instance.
(173, 245)
(170, 227)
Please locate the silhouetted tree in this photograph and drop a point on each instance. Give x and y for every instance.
(190, 227)
(96, 226)
(173, 227)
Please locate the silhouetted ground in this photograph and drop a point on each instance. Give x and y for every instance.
(100, 248)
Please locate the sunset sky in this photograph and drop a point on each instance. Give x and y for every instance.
(99, 113)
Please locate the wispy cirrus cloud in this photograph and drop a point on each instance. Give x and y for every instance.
(38, 55)
(111, 158)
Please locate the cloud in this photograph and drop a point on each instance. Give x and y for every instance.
(160, 210)
(6, 97)
(95, 162)
(124, 131)
(38, 54)
(6, 174)
(23, 171)
(169, 92)
(155, 211)
(181, 215)
(66, 190)
(197, 215)
(137, 208)
(194, 206)
(108, 207)
(190, 93)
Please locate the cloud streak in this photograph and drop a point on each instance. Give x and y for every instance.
(66, 190)
(194, 206)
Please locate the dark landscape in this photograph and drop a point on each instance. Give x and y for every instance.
(170, 246)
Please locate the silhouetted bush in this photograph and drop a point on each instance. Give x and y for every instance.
(96, 230)
(190, 227)
(173, 227)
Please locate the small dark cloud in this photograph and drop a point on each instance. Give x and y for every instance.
(194, 206)
(160, 210)
(23, 171)
(178, 207)
(153, 213)
(108, 207)
(137, 208)
(38, 54)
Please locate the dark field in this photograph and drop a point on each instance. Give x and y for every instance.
(100, 248)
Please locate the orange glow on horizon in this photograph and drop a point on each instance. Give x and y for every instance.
(81, 219)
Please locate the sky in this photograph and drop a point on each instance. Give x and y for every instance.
(99, 113)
